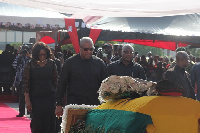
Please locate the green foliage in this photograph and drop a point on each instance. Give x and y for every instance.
(195, 52)
(16, 45)
(101, 43)
(143, 50)
(1, 51)
(68, 47)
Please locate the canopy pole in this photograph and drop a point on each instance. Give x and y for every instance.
(176, 45)
(22, 37)
(5, 36)
(56, 37)
(15, 37)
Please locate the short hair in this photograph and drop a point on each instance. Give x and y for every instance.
(119, 47)
(127, 45)
(38, 47)
(166, 86)
(85, 39)
(181, 55)
(180, 49)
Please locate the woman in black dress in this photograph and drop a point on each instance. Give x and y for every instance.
(40, 81)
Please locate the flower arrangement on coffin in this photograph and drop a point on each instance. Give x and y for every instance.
(117, 87)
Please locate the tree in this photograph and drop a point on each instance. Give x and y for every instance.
(143, 50)
(195, 52)
(68, 47)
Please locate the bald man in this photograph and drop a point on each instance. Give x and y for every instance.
(125, 66)
(178, 75)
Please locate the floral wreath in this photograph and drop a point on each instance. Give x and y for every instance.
(118, 87)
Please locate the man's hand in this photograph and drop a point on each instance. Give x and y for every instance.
(59, 111)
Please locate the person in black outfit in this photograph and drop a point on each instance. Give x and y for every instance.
(57, 61)
(180, 76)
(106, 53)
(7, 59)
(119, 52)
(81, 77)
(40, 82)
(58, 64)
(125, 66)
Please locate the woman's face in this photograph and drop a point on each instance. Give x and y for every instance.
(42, 55)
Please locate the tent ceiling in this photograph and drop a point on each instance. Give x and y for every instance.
(147, 16)
(115, 8)
(185, 25)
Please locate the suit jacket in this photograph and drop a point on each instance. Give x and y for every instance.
(179, 76)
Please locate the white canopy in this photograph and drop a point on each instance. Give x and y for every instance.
(14, 17)
(115, 8)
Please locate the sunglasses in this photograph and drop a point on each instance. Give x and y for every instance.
(86, 49)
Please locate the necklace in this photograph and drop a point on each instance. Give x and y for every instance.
(41, 61)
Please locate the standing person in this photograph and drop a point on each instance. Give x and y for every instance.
(159, 72)
(57, 61)
(180, 76)
(125, 66)
(119, 51)
(195, 78)
(40, 81)
(143, 62)
(106, 54)
(60, 56)
(81, 77)
(21, 62)
(23, 51)
(58, 65)
(7, 59)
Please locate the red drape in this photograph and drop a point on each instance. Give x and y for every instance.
(94, 34)
(47, 40)
(72, 31)
(155, 43)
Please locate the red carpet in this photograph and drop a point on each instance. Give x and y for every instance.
(9, 123)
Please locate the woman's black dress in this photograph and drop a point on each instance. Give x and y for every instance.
(40, 83)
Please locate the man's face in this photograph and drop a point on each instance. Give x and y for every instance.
(119, 50)
(86, 50)
(185, 63)
(182, 62)
(107, 49)
(127, 54)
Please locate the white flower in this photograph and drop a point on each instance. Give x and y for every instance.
(114, 90)
(114, 86)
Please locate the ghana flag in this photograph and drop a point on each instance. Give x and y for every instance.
(169, 114)
(116, 121)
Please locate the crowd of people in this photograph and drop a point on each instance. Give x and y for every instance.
(47, 79)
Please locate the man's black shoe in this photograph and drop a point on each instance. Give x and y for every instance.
(19, 115)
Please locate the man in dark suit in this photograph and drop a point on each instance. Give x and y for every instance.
(125, 66)
(179, 75)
